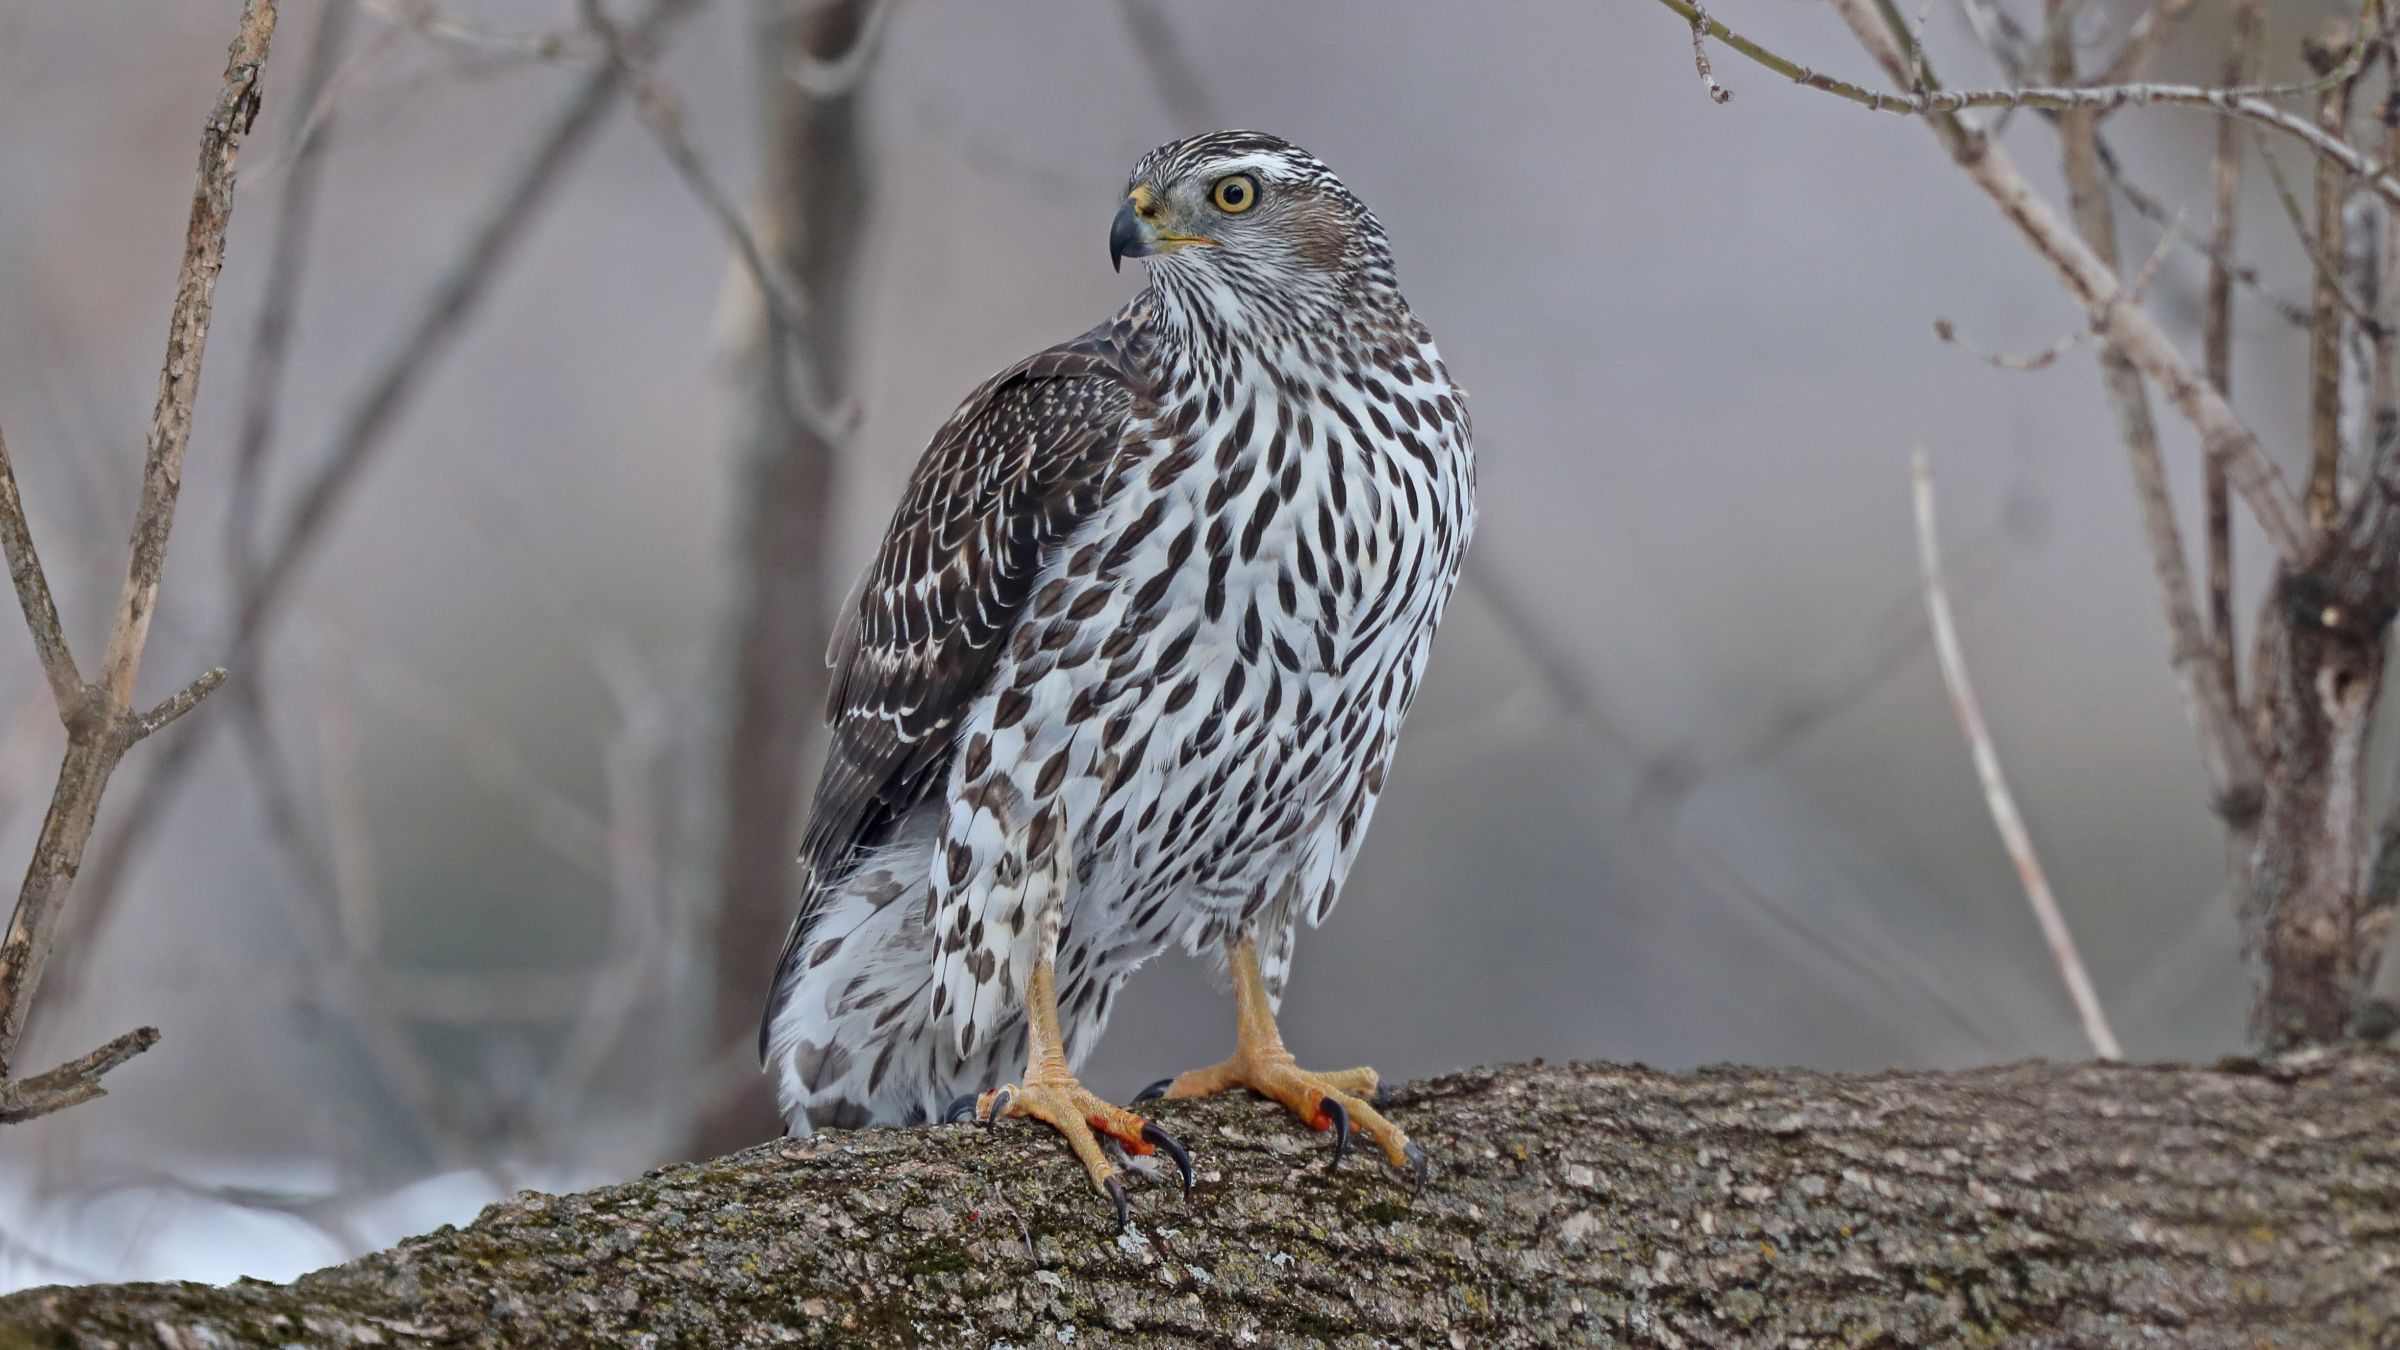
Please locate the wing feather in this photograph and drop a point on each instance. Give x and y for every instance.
(1021, 464)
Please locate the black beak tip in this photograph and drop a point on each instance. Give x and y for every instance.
(1125, 238)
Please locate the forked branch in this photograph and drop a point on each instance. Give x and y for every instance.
(102, 721)
(2252, 104)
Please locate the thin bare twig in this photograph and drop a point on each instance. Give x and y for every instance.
(2133, 58)
(2223, 434)
(2328, 285)
(72, 1083)
(2000, 34)
(430, 20)
(2368, 391)
(662, 114)
(2332, 299)
(2250, 104)
(2040, 360)
(2048, 356)
(33, 595)
(287, 267)
(108, 725)
(2241, 64)
(1996, 794)
(182, 701)
(2226, 753)
(1922, 76)
(1708, 78)
(2147, 205)
(2383, 262)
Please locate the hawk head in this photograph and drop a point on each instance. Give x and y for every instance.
(1253, 213)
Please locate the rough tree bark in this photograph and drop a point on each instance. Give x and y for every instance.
(2251, 1203)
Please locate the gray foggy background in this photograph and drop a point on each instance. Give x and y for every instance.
(1701, 799)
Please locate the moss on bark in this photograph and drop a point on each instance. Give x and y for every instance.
(2244, 1203)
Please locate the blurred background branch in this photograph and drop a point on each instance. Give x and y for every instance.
(810, 212)
(364, 427)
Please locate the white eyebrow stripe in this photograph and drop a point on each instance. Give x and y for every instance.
(1260, 164)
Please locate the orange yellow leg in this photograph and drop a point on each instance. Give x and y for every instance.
(1336, 1100)
(1050, 1094)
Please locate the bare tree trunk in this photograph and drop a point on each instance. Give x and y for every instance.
(2313, 923)
(812, 195)
(2312, 934)
(2033, 1204)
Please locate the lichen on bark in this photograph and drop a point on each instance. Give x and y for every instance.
(2244, 1203)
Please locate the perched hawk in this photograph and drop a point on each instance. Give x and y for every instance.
(1127, 670)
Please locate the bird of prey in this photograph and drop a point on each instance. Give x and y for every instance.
(1126, 673)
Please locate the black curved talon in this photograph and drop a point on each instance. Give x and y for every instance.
(1420, 1164)
(1155, 1090)
(1167, 1144)
(1341, 1127)
(962, 1108)
(1116, 1194)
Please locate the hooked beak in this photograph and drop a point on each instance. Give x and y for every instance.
(1136, 232)
(1129, 236)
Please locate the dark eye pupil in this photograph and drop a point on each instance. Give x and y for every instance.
(1236, 193)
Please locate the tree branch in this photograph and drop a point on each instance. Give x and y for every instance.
(2223, 435)
(107, 724)
(1574, 1204)
(2241, 63)
(369, 418)
(72, 1083)
(2249, 104)
(1996, 794)
(786, 303)
(2226, 752)
(287, 270)
(183, 701)
(2133, 58)
(187, 340)
(809, 211)
(33, 595)
(2331, 299)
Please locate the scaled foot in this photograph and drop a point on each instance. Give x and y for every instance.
(1339, 1101)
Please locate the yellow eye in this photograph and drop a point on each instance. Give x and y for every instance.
(1235, 193)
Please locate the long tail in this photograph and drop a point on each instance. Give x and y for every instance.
(849, 1035)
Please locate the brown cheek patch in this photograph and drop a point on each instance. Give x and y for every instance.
(1320, 237)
